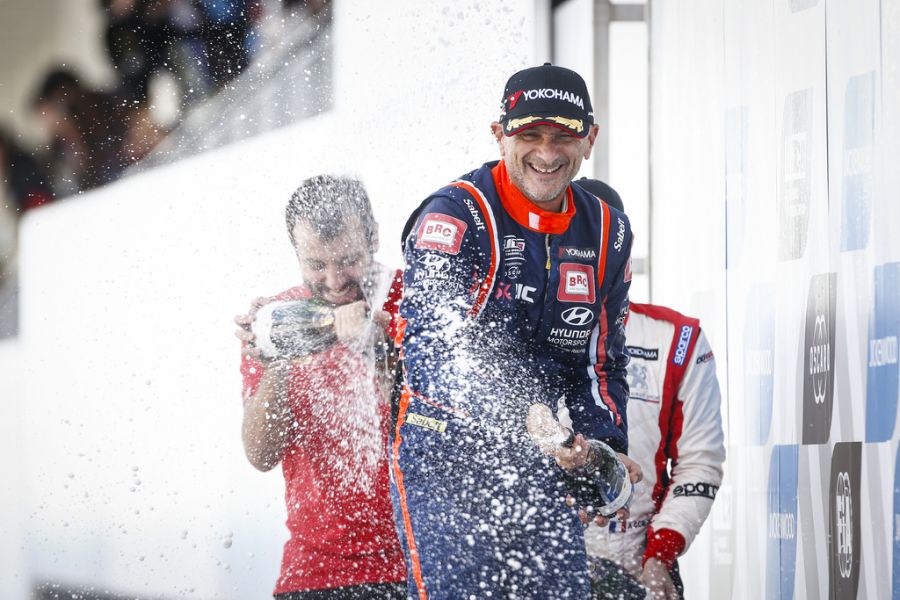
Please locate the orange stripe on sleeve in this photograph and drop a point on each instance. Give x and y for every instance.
(398, 478)
(488, 283)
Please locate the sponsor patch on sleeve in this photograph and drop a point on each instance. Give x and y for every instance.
(627, 276)
(705, 358)
(440, 232)
(704, 490)
(684, 338)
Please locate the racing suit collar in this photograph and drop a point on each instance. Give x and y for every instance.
(525, 212)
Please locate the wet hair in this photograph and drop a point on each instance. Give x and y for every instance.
(327, 204)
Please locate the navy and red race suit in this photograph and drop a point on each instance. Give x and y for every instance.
(505, 305)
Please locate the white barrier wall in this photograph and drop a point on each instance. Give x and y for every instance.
(776, 198)
(129, 474)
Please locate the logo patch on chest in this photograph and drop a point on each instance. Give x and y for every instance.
(576, 283)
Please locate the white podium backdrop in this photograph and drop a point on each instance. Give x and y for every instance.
(776, 203)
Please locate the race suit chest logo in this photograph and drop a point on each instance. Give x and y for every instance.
(576, 283)
(684, 340)
(509, 291)
(441, 232)
(513, 255)
(643, 383)
(573, 253)
(578, 316)
(645, 353)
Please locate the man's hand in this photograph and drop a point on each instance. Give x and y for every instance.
(657, 579)
(635, 474)
(350, 321)
(245, 332)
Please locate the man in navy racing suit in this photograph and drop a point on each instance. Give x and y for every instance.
(515, 293)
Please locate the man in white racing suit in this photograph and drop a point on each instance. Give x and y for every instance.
(675, 433)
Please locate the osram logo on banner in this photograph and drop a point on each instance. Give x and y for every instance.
(441, 232)
(576, 283)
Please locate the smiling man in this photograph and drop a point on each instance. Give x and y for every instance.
(515, 294)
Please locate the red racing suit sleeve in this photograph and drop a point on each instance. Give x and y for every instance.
(697, 452)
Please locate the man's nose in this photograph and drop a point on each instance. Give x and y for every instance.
(334, 277)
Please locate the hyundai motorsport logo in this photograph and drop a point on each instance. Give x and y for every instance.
(818, 359)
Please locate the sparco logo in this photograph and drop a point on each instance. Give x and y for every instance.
(843, 516)
(620, 235)
(818, 359)
(578, 316)
(549, 93)
(684, 339)
(706, 490)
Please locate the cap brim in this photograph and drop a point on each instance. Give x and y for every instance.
(574, 127)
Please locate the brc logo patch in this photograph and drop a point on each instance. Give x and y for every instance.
(576, 283)
(441, 232)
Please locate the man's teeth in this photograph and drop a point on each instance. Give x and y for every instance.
(540, 170)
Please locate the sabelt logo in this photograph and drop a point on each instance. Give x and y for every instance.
(684, 339)
(620, 235)
(843, 515)
(578, 315)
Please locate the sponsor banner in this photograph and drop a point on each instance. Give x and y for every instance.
(795, 174)
(858, 161)
(844, 532)
(759, 362)
(782, 521)
(818, 359)
(883, 372)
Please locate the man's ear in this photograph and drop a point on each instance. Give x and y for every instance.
(497, 130)
(591, 138)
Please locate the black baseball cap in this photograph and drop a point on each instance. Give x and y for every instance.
(546, 95)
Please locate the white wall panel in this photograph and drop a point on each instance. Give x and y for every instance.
(813, 283)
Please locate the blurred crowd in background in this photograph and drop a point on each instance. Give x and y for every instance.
(168, 56)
